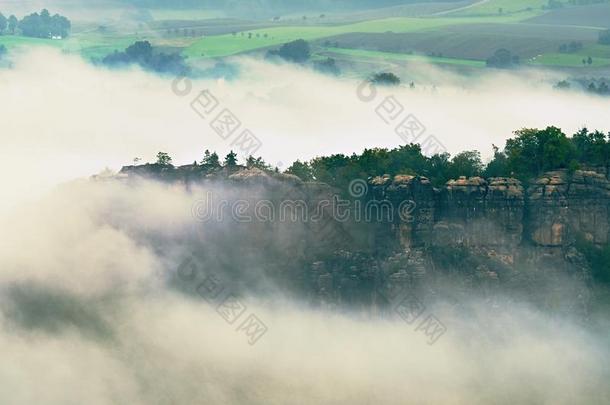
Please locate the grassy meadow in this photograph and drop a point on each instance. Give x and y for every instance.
(465, 36)
(231, 44)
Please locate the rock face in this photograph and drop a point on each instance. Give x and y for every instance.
(401, 233)
(562, 208)
(500, 212)
(414, 202)
(497, 232)
(476, 212)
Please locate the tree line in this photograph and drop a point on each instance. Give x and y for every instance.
(528, 154)
(37, 25)
(142, 53)
(211, 161)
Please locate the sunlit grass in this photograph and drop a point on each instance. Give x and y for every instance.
(568, 60)
(13, 41)
(230, 44)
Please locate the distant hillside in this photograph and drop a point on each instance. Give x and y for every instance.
(595, 15)
(281, 6)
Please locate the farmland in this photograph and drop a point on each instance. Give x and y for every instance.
(471, 41)
(462, 33)
(493, 7)
(12, 41)
(568, 60)
(389, 56)
(596, 15)
(229, 44)
(407, 10)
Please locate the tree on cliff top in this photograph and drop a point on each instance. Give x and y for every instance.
(534, 151)
(258, 163)
(498, 166)
(467, 164)
(163, 159)
(301, 170)
(210, 159)
(591, 147)
(231, 159)
(528, 154)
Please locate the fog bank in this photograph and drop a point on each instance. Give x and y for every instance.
(88, 314)
(64, 118)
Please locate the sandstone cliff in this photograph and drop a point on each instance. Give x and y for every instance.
(484, 234)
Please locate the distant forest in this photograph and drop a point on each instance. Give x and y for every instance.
(142, 53)
(43, 25)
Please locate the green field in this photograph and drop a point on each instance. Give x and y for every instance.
(596, 51)
(568, 60)
(12, 41)
(229, 44)
(90, 45)
(594, 15)
(471, 41)
(492, 7)
(599, 53)
(465, 37)
(360, 53)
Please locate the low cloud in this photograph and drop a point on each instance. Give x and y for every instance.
(89, 314)
(113, 328)
(64, 118)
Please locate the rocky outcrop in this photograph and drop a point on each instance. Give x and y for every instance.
(414, 202)
(476, 212)
(401, 233)
(497, 232)
(563, 207)
(552, 211)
